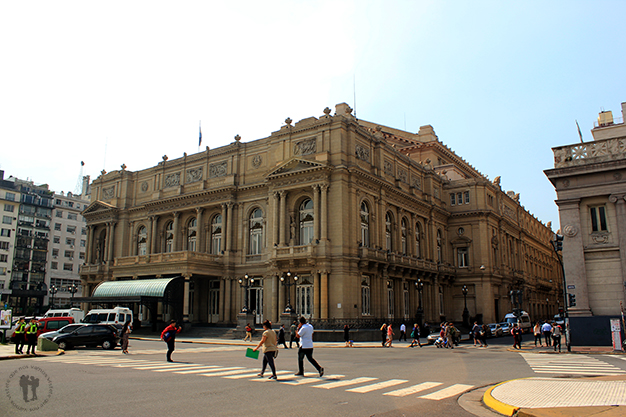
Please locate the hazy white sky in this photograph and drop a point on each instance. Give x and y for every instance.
(126, 82)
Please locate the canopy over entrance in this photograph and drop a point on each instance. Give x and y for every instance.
(135, 290)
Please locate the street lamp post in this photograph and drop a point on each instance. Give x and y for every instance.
(465, 311)
(419, 285)
(53, 290)
(245, 283)
(72, 289)
(285, 281)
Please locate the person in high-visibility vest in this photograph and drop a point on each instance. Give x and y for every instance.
(31, 336)
(19, 335)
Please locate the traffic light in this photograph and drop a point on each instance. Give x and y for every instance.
(572, 300)
(558, 242)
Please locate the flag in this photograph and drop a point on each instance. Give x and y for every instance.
(200, 139)
(579, 132)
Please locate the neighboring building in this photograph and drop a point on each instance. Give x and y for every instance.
(29, 234)
(377, 223)
(10, 201)
(590, 181)
(69, 241)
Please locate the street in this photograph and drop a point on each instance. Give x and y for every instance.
(218, 380)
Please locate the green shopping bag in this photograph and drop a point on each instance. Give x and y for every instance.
(251, 353)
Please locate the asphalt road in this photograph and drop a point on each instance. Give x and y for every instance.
(217, 380)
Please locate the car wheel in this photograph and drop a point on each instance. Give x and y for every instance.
(108, 344)
(63, 345)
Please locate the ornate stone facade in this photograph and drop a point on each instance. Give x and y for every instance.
(358, 212)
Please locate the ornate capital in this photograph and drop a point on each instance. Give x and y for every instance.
(617, 198)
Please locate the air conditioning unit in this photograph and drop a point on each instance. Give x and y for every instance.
(71, 259)
(71, 246)
(54, 256)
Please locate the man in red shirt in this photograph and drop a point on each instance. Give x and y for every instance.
(169, 336)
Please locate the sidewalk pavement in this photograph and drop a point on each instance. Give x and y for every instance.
(526, 397)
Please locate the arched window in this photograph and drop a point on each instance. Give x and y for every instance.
(192, 229)
(306, 222)
(388, 232)
(403, 237)
(256, 232)
(365, 225)
(418, 232)
(142, 240)
(439, 243)
(216, 235)
(169, 237)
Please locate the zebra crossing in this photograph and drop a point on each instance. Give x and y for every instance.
(358, 385)
(569, 364)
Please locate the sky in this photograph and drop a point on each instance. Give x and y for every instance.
(119, 82)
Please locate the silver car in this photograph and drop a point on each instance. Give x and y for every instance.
(496, 329)
(66, 329)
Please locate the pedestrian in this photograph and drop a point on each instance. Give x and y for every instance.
(483, 334)
(383, 333)
(281, 336)
(425, 329)
(270, 348)
(126, 329)
(537, 333)
(556, 336)
(476, 334)
(346, 335)
(547, 332)
(449, 335)
(402, 333)
(31, 336)
(390, 335)
(517, 336)
(415, 335)
(294, 338)
(169, 336)
(19, 335)
(248, 333)
(305, 333)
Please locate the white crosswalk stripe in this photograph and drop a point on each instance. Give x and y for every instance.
(360, 385)
(569, 364)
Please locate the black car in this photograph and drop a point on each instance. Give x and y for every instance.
(104, 335)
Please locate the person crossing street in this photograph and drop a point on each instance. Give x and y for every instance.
(305, 333)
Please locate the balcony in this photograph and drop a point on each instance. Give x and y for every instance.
(169, 257)
(383, 257)
(589, 152)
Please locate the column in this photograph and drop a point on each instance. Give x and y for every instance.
(224, 230)
(316, 212)
(200, 244)
(176, 232)
(227, 298)
(324, 203)
(90, 233)
(275, 220)
(620, 215)
(282, 223)
(153, 234)
(133, 239)
(274, 307)
(186, 299)
(111, 237)
(281, 297)
(229, 228)
(317, 299)
(324, 295)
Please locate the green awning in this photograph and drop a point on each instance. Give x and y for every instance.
(132, 288)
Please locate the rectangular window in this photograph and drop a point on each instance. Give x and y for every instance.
(9, 207)
(81, 255)
(4, 258)
(59, 213)
(71, 229)
(463, 257)
(54, 265)
(5, 232)
(598, 219)
(7, 219)
(83, 231)
(365, 295)
(4, 245)
(459, 198)
(68, 267)
(69, 241)
(71, 216)
(82, 243)
(466, 195)
(69, 254)
(55, 252)
(56, 239)
(3, 271)
(452, 199)
(10, 196)
(57, 226)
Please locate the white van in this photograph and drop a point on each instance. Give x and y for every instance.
(523, 321)
(76, 313)
(117, 315)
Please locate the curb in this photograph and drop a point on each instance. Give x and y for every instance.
(498, 406)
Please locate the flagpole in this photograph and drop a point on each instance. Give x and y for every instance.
(200, 134)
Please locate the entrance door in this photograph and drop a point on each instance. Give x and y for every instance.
(255, 296)
(214, 302)
(304, 300)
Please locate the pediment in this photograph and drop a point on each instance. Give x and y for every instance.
(98, 207)
(294, 166)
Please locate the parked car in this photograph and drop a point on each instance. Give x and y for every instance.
(48, 324)
(103, 335)
(560, 320)
(496, 330)
(431, 338)
(67, 329)
(506, 329)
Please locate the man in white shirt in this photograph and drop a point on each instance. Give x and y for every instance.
(547, 330)
(305, 333)
(402, 332)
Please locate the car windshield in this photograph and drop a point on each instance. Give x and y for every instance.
(70, 328)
